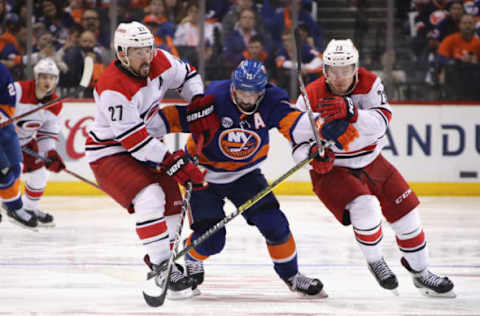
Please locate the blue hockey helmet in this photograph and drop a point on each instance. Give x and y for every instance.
(250, 75)
(248, 85)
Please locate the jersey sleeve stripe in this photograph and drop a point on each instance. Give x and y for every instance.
(130, 131)
(141, 145)
(135, 139)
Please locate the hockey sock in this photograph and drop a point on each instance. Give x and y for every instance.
(411, 240)
(284, 256)
(365, 215)
(34, 187)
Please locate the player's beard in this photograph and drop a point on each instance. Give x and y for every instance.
(144, 70)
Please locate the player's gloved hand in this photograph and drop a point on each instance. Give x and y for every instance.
(335, 108)
(202, 119)
(182, 169)
(322, 165)
(339, 131)
(54, 162)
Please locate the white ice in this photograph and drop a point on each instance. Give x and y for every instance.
(91, 264)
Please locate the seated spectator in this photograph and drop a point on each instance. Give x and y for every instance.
(176, 10)
(236, 42)
(56, 20)
(187, 35)
(231, 19)
(449, 25)
(91, 22)
(256, 51)
(11, 54)
(458, 58)
(74, 59)
(164, 41)
(165, 27)
(76, 8)
(283, 20)
(11, 26)
(311, 61)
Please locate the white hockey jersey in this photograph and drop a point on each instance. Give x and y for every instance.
(127, 117)
(42, 125)
(374, 114)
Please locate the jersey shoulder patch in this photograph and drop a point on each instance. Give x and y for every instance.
(365, 81)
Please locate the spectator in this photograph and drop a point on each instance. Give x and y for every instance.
(56, 20)
(232, 17)
(283, 20)
(157, 8)
(74, 59)
(76, 9)
(458, 56)
(449, 25)
(11, 54)
(311, 60)
(236, 42)
(216, 10)
(256, 51)
(187, 35)
(163, 41)
(91, 22)
(176, 10)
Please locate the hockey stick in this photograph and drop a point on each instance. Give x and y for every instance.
(246, 205)
(84, 82)
(38, 156)
(158, 300)
(321, 144)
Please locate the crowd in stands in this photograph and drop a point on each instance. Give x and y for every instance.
(443, 34)
(446, 45)
(70, 30)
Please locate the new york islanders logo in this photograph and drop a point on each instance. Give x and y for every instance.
(239, 144)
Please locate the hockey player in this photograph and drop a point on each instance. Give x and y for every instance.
(358, 185)
(123, 148)
(247, 107)
(11, 157)
(39, 133)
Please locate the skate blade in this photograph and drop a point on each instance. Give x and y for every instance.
(320, 295)
(395, 292)
(34, 229)
(180, 295)
(430, 293)
(196, 292)
(46, 225)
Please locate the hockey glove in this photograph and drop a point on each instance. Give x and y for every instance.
(339, 131)
(182, 169)
(322, 165)
(335, 108)
(202, 119)
(54, 162)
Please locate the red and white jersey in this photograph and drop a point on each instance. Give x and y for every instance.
(374, 114)
(42, 125)
(127, 117)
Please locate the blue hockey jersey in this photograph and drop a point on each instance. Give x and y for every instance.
(242, 142)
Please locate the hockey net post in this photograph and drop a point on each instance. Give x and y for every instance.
(84, 82)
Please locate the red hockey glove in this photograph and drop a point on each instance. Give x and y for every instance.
(182, 169)
(54, 162)
(339, 131)
(322, 165)
(335, 108)
(202, 119)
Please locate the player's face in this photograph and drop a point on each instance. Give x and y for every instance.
(246, 100)
(140, 59)
(45, 83)
(340, 78)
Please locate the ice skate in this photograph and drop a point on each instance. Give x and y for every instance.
(196, 272)
(384, 276)
(305, 286)
(179, 285)
(430, 284)
(44, 219)
(23, 219)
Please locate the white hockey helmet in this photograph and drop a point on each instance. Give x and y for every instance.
(133, 34)
(46, 66)
(340, 53)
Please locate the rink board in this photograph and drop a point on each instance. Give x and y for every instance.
(435, 146)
